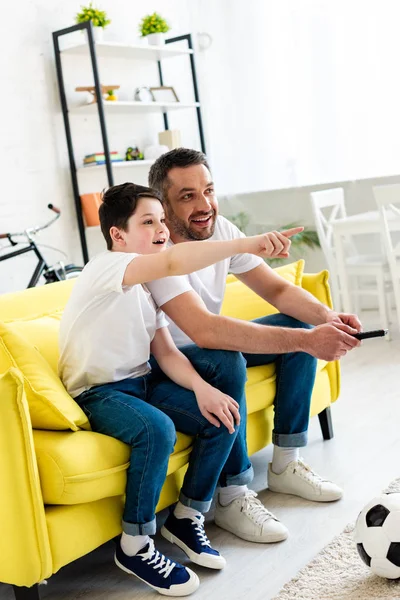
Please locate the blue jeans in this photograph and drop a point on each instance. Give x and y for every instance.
(295, 377)
(144, 413)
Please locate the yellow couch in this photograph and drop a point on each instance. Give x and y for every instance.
(61, 484)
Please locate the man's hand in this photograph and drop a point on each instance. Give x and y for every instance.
(274, 244)
(330, 341)
(213, 403)
(345, 319)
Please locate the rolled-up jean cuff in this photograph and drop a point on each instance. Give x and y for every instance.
(290, 440)
(139, 528)
(242, 478)
(200, 505)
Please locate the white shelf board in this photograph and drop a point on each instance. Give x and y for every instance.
(139, 52)
(126, 107)
(116, 165)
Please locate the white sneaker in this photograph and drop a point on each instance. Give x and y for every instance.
(248, 518)
(299, 479)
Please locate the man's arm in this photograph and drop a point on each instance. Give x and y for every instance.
(291, 299)
(188, 311)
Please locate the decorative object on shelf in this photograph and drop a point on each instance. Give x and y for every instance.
(90, 208)
(143, 94)
(153, 27)
(164, 94)
(300, 242)
(98, 158)
(170, 138)
(105, 89)
(133, 153)
(98, 17)
(154, 152)
(111, 96)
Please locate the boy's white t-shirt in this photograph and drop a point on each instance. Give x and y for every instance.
(106, 328)
(209, 283)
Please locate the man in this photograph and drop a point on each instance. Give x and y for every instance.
(193, 303)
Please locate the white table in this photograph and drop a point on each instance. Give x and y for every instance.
(359, 224)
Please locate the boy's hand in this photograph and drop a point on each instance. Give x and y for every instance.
(274, 244)
(217, 407)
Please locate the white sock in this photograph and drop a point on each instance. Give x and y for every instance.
(231, 492)
(131, 544)
(282, 457)
(185, 512)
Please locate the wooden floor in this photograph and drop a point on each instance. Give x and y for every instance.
(363, 457)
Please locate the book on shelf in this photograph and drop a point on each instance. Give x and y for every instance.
(101, 162)
(100, 159)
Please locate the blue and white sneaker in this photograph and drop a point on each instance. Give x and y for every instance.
(190, 536)
(158, 571)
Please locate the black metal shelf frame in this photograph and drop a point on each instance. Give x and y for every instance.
(101, 113)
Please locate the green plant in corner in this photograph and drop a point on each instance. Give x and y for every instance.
(89, 13)
(153, 24)
(300, 242)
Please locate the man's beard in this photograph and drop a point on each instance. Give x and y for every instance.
(179, 227)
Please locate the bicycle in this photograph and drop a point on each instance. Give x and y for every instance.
(51, 273)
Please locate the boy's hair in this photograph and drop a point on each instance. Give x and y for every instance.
(119, 204)
(179, 157)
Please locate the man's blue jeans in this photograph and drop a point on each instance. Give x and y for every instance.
(295, 377)
(146, 412)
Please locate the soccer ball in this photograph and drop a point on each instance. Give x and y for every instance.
(377, 535)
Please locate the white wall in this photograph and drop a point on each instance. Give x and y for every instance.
(300, 93)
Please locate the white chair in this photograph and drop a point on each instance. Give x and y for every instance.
(388, 200)
(328, 206)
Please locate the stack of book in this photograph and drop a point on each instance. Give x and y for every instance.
(98, 158)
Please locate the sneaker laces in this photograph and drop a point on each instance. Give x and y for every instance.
(254, 509)
(306, 473)
(198, 524)
(159, 562)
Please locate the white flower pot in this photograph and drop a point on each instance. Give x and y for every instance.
(155, 39)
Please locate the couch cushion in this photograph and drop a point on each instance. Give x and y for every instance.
(84, 466)
(241, 302)
(41, 332)
(51, 407)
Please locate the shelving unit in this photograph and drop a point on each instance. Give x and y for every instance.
(108, 108)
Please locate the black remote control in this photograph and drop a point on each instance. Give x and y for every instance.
(365, 335)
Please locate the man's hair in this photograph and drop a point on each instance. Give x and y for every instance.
(119, 204)
(180, 157)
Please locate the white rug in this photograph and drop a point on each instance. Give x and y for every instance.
(337, 573)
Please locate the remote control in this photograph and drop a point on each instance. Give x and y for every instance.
(365, 335)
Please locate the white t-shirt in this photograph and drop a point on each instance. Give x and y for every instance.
(209, 283)
(106, 328)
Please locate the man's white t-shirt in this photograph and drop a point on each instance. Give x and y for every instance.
(106, 328)
(209, 283)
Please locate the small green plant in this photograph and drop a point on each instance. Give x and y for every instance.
(306, 239)
(89, 13)
(153, 24)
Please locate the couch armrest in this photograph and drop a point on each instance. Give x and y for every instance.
(318, 285)
(25, 556)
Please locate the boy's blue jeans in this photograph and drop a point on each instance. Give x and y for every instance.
(146, 412)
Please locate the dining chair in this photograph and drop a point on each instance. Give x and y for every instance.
(388, 200)
(329, 206)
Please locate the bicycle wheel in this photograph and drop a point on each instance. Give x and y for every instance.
(72, 271)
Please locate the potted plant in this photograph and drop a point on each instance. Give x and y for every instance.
(300, 242)
(98, 17)
(153, 27)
